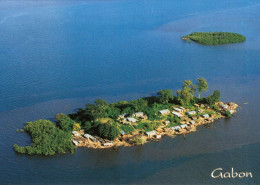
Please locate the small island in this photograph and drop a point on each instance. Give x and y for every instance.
(128, 123)
(215, 38)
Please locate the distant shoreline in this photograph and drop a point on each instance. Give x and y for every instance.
(214, 38)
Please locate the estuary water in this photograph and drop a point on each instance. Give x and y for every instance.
(56, 56)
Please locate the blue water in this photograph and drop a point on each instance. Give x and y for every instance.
(56, 56)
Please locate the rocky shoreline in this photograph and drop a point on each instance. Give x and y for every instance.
(188, 124)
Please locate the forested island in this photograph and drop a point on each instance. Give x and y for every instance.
(127, 123)
(215, 38)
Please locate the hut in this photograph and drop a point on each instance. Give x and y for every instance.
(139, 114)
(131, 119)
(191, 113)
(205, 116)
(88, 136)
(76, 143)
(232, 111)
(192, 122)
(173, 128)
(108, 144)
(176, 114)
(224, 106)
(164, 111)
(166, 122)
(150, 133)
(200, 110)
(122, 116)
(178, 109)
(75, 133)
(183, 126)
(122, 132)
(158, 136)
(176, 128)
(194, 118)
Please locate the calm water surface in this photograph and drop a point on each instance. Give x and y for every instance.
(56, 56)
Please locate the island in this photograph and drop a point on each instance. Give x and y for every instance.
(128, 123)
(214, 38)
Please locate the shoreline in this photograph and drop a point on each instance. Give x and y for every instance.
(127, 140)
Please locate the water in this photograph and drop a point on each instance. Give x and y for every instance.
(57, 56)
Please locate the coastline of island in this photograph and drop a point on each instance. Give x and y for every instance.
(128, 123)
(187, 125)
(214, 38)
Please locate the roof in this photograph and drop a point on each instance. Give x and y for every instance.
(75, 142)
(88, 136)
(164, 111)
(131, 119)
(183, 126)
(108, 144)
(75, 133)
(122, 132)
(122, 115)
(205, 115)
(178, 109)
(224, 106)
(192, 112)
(150, 133)
(139, 114)
(192, 122)
(176, 113)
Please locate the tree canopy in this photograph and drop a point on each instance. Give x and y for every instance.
(202, 85)
(215, 38)
(165, 95)
(47, 139)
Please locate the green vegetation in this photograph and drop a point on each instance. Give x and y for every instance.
(108, 120)
(215, 38)
(47, 139)
(138, 140)
(202, 85)
(228, 114)
(108, 131)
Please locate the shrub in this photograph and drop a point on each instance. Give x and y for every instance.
(47, 139)
(138, 140)
(64, 122)
(76, 127)
(108, 131)
(228, 114)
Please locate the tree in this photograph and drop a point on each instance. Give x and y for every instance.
(108, 131)
(165, 95)
(212, 99)
(139, 104)
(94, 111)
(47, 139)
(102, 103)
(186, 95)
(76, 127)
(202, 85)
(189, 87)
(64, 122)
